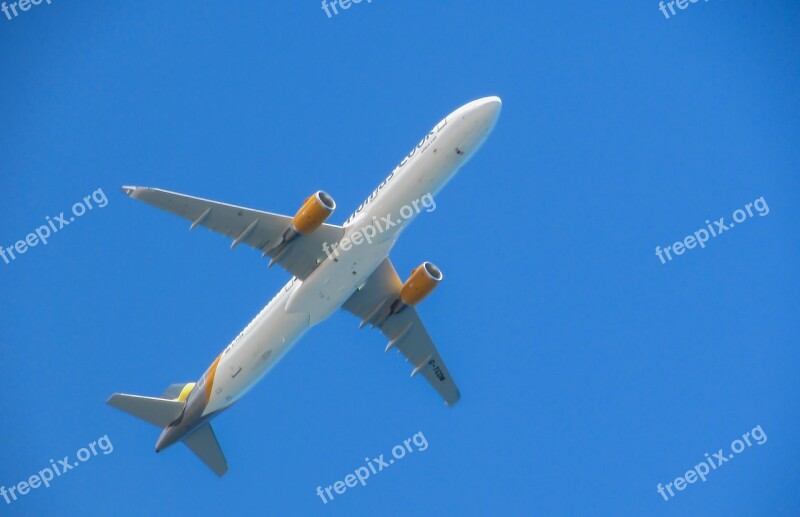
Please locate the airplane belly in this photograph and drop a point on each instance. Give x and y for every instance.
(335, 280)
(249, 359)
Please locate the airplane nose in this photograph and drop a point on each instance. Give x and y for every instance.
(478, 119)
(488, 109)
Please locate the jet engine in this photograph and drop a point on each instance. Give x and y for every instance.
(315, 210)
(313, 213)
(421, 283)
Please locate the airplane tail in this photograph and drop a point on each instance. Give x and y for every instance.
(164, 410)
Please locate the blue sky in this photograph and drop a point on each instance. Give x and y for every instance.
(590, 372)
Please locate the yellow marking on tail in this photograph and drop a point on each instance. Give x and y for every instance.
(185, 392)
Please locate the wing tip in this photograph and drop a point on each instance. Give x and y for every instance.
(453, 400)
(128, 190)
(133, 191)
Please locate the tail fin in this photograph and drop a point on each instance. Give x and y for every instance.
(204, 444)
(159, 412)
(179, 392)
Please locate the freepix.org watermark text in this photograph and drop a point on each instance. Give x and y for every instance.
(56, 470)
(23, 5)
(373, 466)
(52, 226)
(380, 225)
(331, 7)
(701, 236)
(668, 8)
(712, 462)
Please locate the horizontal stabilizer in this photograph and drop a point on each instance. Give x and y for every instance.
(156, 411)
(204, 444)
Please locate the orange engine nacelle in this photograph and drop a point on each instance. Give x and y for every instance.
(313, 213)
(421, 283)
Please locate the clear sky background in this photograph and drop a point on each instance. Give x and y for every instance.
(589, 371)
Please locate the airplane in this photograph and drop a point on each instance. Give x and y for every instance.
(333, 267)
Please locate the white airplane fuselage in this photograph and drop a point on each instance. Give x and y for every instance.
(302, 304)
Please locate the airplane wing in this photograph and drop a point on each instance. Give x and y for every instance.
(404, 330)
(258, 229)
